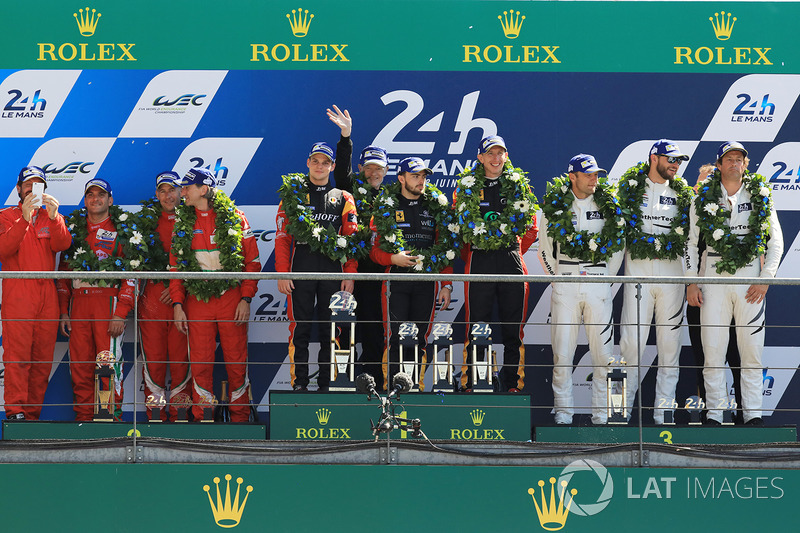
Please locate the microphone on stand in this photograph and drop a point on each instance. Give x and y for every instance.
(365, 384)
(402, 383)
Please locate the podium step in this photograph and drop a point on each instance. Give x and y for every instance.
(105, 430)
(666, 434)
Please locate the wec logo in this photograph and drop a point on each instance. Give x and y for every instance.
(183, 100)
(70, 168)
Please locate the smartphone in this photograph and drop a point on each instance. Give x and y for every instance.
(37, 191)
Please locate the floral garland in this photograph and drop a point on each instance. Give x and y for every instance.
(713, 220)
(133, 247)
(582, 245)
(302, 226)
(147, 219)
(641, 245)
(438, 256)
(361, 190)
(228, 235)
(513, 221)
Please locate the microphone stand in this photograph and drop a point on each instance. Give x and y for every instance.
(388, 420)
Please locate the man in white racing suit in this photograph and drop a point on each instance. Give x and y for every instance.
(571, 249)
(750, 230)
(657, 225)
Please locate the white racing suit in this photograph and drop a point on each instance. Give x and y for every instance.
(572, 303)
(723, 302)
(659, 207)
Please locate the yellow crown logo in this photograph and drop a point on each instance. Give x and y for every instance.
(477, 416)
(226, 513)
(552, 517)
(299, 21)
(87, 22)
(723, 27)
(323, 415)
(511, 23)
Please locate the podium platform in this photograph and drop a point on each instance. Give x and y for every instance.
(445, 416)
(666, 434)
(41, 430)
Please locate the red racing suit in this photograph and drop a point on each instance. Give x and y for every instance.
(161, 341)
(90, 309)
(332, 207)
(30, 306)
(206, 319)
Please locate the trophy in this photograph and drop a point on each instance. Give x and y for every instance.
(155, 402)
(209, 403)
(695, 406)
(442, 369)
(409, 364)
(481, 366)
(343, 307)
(617, 390)
(104, 386)
(182, 402)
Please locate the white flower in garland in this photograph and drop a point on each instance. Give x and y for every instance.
(480, 229)
(633, 183)
(418, 266)
(392, 238)
(503, 228)
(764, 191)
(71, 227)
(620, 222)
(711, 209)
(559, 212)
(79, 251)
(679, 230)
(341, 242)
(317, 232)
(136, 239)
(564, 189)
(232, 231)
(468, 181)
(450, 255)
(461, 207)
(135, 263)
(389, 201)
(442, 199)
(657, 244)
(522, 206)
(362, 190)
(592, 245)
(514, 177)
(454, 228)
(123, 217)
(718, 234)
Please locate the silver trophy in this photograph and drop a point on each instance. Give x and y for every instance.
(617, 390)
(409, 352)
(442, 368)
(481, 364)
(343, 306)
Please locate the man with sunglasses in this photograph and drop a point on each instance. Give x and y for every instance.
(656, 203)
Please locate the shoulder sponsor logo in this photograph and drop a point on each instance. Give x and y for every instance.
(722, 23)
(87, 21)
(299, 23)
(511, 24)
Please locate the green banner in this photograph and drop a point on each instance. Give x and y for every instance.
(458, 417)
(584, 495)
(441, 35)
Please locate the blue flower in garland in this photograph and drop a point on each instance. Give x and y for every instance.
(471, 225)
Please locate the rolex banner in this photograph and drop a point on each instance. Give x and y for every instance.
(125, 90)
(583, 495)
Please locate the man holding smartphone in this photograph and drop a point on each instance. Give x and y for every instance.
(31, 233)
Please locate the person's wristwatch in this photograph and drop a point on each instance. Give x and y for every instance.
(247, 299)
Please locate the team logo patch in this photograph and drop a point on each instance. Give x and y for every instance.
(668, 200)
(594, 215)
(399, 216)
(746, 206)
(105, 235)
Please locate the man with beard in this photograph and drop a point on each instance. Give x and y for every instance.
(656, 203)
(31, 234)
(735, 216)
(412, 205)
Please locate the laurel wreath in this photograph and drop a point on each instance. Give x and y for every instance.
(641, 245)
(322, 239)
(498, 230)
(147, 219)
(433, 259)
(133, 246)
(228, 237)
(713, 222)
(582, 245)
